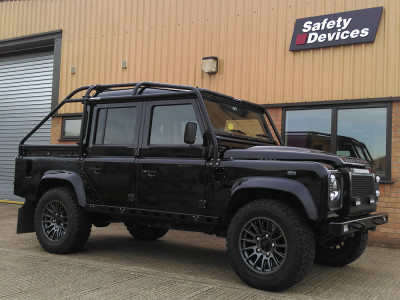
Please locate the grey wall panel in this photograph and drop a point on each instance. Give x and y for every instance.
(25, 99)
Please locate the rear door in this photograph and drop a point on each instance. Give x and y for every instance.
(171, 174)
(110, 162)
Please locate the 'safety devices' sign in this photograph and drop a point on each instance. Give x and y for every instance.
(351, 27)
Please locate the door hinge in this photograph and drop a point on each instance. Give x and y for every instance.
(202, 203)
(131, 198)
(137, 152)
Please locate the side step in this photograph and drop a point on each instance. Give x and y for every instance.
(154, 214)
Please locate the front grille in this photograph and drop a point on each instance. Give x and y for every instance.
(362, 186)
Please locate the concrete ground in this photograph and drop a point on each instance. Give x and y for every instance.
(181, 265)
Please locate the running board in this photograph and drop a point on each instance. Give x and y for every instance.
(154, 214)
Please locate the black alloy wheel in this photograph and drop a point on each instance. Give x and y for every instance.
(54, 220)
(61, 225)
(270, 245)
(263, 245)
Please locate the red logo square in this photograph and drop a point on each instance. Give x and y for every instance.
(301, 39)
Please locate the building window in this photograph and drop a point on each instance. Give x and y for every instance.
(71, 128)
(361, 132)
(309, 129)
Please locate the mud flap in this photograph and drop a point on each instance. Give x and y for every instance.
(25, 217)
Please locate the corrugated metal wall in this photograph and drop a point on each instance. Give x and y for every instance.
(25, 99)
(164, 40)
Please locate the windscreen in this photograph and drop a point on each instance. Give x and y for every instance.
(237, 120)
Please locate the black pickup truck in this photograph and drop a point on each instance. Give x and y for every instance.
(159, 156)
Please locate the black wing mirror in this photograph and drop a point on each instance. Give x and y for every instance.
(190, 133)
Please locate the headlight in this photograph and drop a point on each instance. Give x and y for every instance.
(334, 193)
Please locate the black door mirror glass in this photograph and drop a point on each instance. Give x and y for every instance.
(190, 133)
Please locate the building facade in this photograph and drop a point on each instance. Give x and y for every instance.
(341, 97)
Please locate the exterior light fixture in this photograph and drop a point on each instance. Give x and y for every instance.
(210, 64)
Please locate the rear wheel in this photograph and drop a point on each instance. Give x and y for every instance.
(341, 251)
(270, 245)
(146, 233)
(60, 223)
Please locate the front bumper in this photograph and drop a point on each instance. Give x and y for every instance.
(342, 227)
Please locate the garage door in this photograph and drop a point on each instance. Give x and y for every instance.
(25, 98)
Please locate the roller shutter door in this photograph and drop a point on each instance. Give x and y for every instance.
(25, 98)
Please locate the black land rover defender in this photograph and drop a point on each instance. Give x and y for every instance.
(160, 156)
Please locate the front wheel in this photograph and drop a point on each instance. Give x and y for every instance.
(60, 223)
(341, 251)
(270, 245)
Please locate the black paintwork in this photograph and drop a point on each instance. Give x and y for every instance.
(187, 186)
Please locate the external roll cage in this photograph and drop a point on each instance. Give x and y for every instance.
(138, 88)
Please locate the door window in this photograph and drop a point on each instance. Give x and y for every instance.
(169, 122)
(116, 126)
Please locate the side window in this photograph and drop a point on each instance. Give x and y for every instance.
(168, 124)
(116, 126)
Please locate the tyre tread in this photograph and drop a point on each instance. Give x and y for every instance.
(80, 230)
(333, 258)
(303, 230)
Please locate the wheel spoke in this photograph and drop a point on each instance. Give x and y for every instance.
(256, 262)
(255, 228)
(263, 264)
(47, 225)
(254, 248)
(249, 258)
(275, 261)
(250, 233)
(269, 265)
(281, 255)
(55, 220)
(248, 241)
(260, 225)
(263, 245)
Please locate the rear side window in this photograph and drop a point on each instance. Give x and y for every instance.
(116, 126)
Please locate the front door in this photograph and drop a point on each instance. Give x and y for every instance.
(171, 173)
(110, 163)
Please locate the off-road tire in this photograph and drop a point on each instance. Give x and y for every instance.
(145, 233)
(295, 250)
(342, 252)
(61, 225)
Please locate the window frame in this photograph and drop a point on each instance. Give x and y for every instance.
(69, 138)
(145, 142)
(105, 123)
(112, 149)
(334, 125)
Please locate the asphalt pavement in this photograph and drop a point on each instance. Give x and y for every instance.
(181, 265)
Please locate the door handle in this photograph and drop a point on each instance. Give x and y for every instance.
(150, 173)
(95, 170)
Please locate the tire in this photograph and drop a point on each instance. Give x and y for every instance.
(146, 233)
(270, 245)
(60, 223)
(342, 252)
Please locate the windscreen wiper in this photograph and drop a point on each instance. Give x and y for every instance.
(238, 131)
